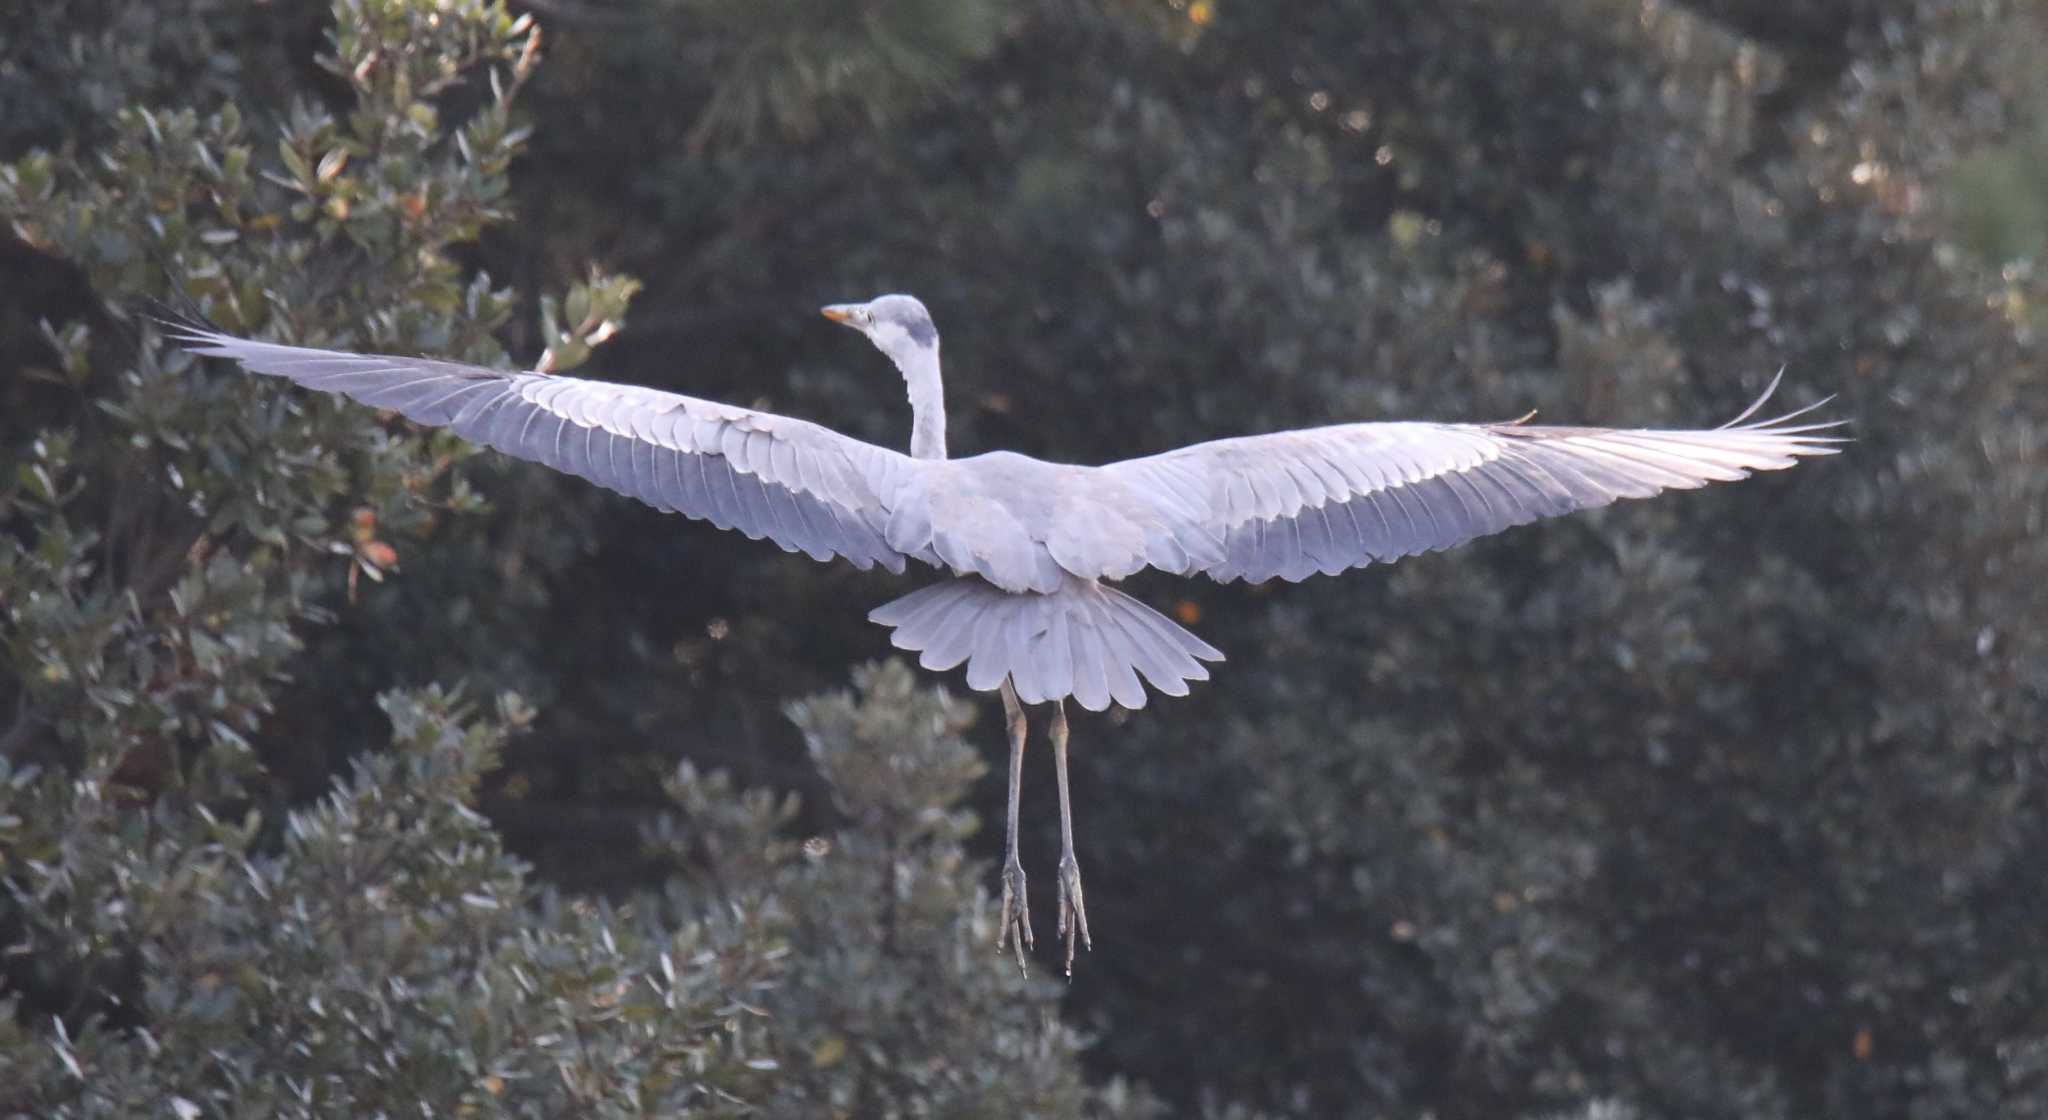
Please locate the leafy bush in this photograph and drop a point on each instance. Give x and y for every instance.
(1723, 805)
(181, 933)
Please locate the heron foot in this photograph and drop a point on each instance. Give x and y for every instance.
(1073, 910)
(1015, 929)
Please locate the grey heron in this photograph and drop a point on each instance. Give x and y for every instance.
(1034, 546)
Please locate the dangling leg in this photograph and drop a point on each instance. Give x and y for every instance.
(1073, 912)
(1016, 920)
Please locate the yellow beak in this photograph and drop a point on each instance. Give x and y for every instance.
(839, 312)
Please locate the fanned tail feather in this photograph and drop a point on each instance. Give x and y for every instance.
(1085, 640)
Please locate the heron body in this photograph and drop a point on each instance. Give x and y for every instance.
(1035, 545)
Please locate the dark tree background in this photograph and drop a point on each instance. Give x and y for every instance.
(1724, 805)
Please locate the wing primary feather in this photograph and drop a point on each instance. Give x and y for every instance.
(755, 501)
(1418, 538)
(1759, 401)
(1347, 539)
(1454, 522)
(673, 491)
(425, 413)
(525, 433)
(1644, 476)
(615, 477)
(789, 508)
(1663, 467)
(821, 525)
(493, 424)
(1239, 547)
(1537, 498)
(1283, 549)
(783, 524)
(1481, 499)
(711, 471)
(560, 459)
(858, 533)
(619, 478)
(719, 478)
(1586, 491)
(465, 422)
(1321, 542)
(383, 389)
(696, 494)
(1484, 519)
(577, 459)
(1379, 546)
(640, 458)
(1507, 504)
(474, 409)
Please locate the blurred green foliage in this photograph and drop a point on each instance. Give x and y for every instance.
(1727, 805)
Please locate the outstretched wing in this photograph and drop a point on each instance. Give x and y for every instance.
(805, 487)
(1295, 503)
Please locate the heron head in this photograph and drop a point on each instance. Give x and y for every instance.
(897, 325)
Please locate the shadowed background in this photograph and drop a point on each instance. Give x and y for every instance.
(1721, 805)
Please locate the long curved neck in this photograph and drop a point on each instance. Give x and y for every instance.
(920, 368)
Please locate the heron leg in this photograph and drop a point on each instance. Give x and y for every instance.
(1073, 911)
(1015, 929)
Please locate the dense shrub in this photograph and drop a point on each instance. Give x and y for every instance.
(1721, 806)
(188, 927)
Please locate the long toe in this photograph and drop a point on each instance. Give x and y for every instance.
(1073, 909)
(1015, 927)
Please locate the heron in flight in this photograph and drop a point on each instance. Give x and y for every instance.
(1035, 546)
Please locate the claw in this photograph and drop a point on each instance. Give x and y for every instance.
(1015, 929)
(1073, 910)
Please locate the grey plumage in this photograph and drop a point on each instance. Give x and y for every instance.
(1089, 641)
(1035, 544)
(1286, 505)
(800, 485)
